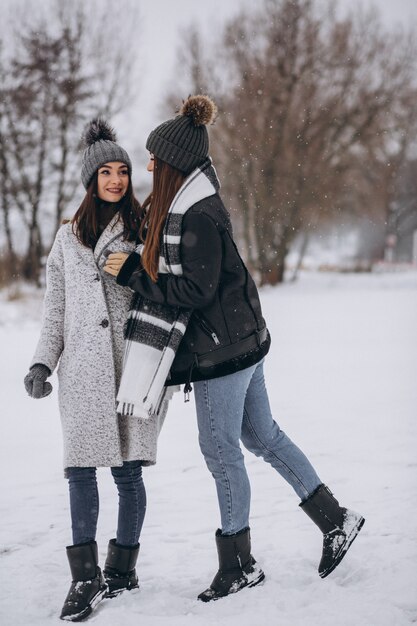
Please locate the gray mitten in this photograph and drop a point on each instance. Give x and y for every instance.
(35, 381)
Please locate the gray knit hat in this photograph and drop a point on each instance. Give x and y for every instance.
(102, 148)
(183, 141)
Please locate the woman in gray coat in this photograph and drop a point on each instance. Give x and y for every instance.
(84, 314)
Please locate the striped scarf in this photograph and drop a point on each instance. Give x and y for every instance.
(153, 331)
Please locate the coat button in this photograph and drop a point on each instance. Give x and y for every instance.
(104, 323)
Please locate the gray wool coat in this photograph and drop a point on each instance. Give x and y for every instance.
(82, 329)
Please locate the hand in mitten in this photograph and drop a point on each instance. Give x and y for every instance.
(35, 381)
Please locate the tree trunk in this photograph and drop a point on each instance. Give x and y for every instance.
(301, 254)
(5, 200)
(32, 264)
(60, 203)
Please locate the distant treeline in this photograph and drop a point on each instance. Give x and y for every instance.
(317, 119)
(317, 123)
(60, 64)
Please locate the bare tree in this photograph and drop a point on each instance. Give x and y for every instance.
(304, 95)
(62, 73)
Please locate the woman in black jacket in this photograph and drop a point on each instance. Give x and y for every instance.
(191, 280)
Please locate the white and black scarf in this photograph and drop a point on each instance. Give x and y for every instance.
(153, 331)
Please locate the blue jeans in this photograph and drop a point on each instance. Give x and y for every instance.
(84, 502)
(236, 408)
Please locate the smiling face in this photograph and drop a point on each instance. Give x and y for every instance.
(112, 181)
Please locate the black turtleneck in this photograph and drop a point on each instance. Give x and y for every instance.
(105, 213)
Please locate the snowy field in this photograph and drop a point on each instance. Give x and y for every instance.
(342, 377)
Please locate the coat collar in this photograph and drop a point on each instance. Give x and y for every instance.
(113, 231)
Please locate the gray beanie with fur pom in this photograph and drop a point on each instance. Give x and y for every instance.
(101, 148)
(183, 141)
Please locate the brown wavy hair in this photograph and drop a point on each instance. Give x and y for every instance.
(85, 224)
(166, 182)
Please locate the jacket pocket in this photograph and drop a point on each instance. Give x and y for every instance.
(206, 327)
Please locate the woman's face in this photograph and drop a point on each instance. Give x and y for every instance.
(112, 181)
(150, 165)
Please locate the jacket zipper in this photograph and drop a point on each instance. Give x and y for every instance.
(206, 328)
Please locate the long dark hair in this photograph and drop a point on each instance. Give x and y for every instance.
(166, 182)
(85, 224)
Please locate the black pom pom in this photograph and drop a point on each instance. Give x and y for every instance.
(97, 130)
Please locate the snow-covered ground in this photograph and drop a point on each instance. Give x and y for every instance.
(342, 376)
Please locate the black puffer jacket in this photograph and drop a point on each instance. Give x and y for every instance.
(227, 332)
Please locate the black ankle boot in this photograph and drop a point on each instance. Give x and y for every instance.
(237, 567)
(119, 570)
(87, 587)
(338, 525)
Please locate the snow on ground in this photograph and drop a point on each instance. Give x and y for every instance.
(342, 383)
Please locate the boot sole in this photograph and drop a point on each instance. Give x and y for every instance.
(349, 540)
(251, 583)
(118, 592)
(79, 617)
(259, 580)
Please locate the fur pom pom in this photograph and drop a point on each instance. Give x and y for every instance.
(200, 108)
(97, 130)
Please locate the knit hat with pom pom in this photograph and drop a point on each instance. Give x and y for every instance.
(183, 141)
(101, 148)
